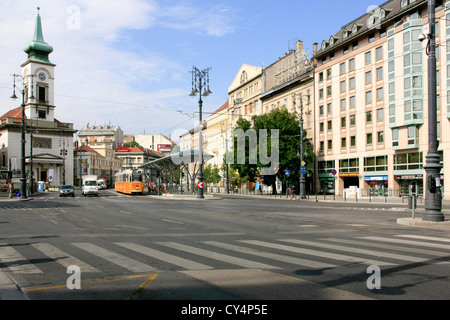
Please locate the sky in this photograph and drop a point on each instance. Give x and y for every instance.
(127, 62)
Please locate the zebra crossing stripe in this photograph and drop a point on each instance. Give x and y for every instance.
(423, 238)
(418, 243)
(16, 262)
(118, 259)
(175, 260)
(389, 247)
(322, 254)
(218, 256)
(63, 258)
(357, 250)
(273, 256)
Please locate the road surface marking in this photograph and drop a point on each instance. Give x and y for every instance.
(217, 256)
(424, 238)
(15, 261)
(184, 263)
(172, 221)
(418, 243)
(323, 254)
(356, 250)
(118, 259)
(62, 257)
(142, 287)
(274, 256)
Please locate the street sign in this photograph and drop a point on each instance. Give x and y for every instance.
(302, 169)
(200, 184)
(333, 172)
(286, 172)
(303, 163)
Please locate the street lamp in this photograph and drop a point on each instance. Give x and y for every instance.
(200, 80)
(433, 200)
(23, 177)
(302, 162)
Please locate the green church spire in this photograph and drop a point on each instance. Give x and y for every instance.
(38, 50)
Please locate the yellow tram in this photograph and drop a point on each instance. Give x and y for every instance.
(130, 181)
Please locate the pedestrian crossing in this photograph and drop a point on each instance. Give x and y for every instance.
(323, 253)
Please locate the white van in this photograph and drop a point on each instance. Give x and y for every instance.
(89, 186)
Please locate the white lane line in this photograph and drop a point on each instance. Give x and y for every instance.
(62, 257)
(159, 255)
(118, 259)
(218, 256)
(15, 261)
(273, 256)
(322, 254)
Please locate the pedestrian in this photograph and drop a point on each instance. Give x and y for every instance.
(292, 191)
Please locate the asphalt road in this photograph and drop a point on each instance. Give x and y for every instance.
(143, 248)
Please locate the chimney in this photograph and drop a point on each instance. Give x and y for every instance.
(299, 47)
(315, 48)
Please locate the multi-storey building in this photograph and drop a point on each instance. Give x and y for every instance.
(244, 94)
(371, 101)
(289, 83)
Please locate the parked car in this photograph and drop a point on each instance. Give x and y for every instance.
(66, 190)
(101, 184)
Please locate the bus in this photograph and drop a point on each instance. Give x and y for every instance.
(130, 181)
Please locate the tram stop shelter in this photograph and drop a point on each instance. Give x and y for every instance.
(161, 172)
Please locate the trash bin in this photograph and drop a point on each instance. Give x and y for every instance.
(40, 186)
(412, 200)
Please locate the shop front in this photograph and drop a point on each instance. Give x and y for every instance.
(377, 185)
(410, 184)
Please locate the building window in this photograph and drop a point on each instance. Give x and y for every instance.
(368, 97)
(322, 146)
(379, 53)
(328, 74)
(372, 35)
(351, 65)
(351, 83)
(329, 91)
(321, 77)
(352, 120)
(352, 102)
(395, 138)
(343, 86)
(379, 73)
(321, 110)
(369, 117)
(408, 161)
(380, 137)
(353, 141)
(349, 165)
(330, 144)
(369, 139)
(343, 122)
(343, 142)
(380, 116)
(329, 125)
(369, 77)
(375, 164)
(42, 94)
(42, 114)
(379, 94)
(368, 57)
(343, 105)
(329, 108)
(321, 127)
(342, 68)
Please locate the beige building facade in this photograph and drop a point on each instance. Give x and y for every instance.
(371, 103)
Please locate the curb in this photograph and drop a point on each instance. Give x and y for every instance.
(9, 290)
(418, 222)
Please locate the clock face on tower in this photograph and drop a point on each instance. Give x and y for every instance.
(42, 76)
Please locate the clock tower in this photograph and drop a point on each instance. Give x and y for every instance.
(39, 74)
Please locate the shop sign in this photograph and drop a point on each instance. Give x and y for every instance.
(409, 177)
(348, 174)
(376, 178)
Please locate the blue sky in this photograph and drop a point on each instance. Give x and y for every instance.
(127, 63)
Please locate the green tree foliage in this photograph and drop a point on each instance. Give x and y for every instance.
(211, 174)
(288, 125)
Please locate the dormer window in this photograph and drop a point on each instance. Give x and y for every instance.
(354, 28)
(345, 35)
(404, 3)
(371, 20)
(324, 45)
(382, 14)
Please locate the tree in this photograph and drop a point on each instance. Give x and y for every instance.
(247, 171)
(211, 174)
(132, 144)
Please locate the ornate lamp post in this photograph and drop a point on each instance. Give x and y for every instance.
(200, 81)
(23, 177)
(302, 163)
(433, 200)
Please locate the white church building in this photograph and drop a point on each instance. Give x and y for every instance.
(48, 141)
